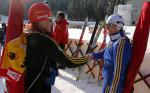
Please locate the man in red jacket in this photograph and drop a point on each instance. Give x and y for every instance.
(61, 30)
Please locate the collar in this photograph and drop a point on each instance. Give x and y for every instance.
(114, 37)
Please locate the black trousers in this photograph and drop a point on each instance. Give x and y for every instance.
(62, 46)
(38, 87)
(38, 90)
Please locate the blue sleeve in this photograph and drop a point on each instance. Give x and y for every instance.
(98, 55)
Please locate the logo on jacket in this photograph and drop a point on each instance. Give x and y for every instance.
(12, 55)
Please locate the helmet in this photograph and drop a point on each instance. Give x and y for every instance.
(39, 12)
(115, 18)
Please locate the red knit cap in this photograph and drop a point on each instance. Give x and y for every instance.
(39, 12)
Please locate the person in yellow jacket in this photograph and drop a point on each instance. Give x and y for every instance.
(12, 66)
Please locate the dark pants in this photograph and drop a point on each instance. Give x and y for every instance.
(62, 46)
(38, 87)
(37, 90)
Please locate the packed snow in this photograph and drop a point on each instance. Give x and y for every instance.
(66, 83)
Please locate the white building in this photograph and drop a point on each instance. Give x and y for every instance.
(130, 11)
(137, 5)
(125, 11)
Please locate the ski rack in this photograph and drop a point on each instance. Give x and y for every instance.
(96, 62)
(99, 63)
(82, 54)
(143, 78)
(69, 49)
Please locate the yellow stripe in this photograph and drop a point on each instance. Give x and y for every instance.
(107, 89)
(78, 61)
(116, 72)
(118, 65)
(117, 75)
(74, 60)
(83, 58)
(119, 57)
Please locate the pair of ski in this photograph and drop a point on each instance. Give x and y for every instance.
(91, 45)
(100, 62)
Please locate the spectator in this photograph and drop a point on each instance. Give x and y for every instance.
(61, 30)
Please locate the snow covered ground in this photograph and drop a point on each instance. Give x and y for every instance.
(66, 83)
(2, 85)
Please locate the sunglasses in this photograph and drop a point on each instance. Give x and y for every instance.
(112, 24)
(109, 24)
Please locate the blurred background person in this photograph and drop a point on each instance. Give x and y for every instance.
(61, 30)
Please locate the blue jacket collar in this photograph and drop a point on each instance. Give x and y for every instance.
(114, 37)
